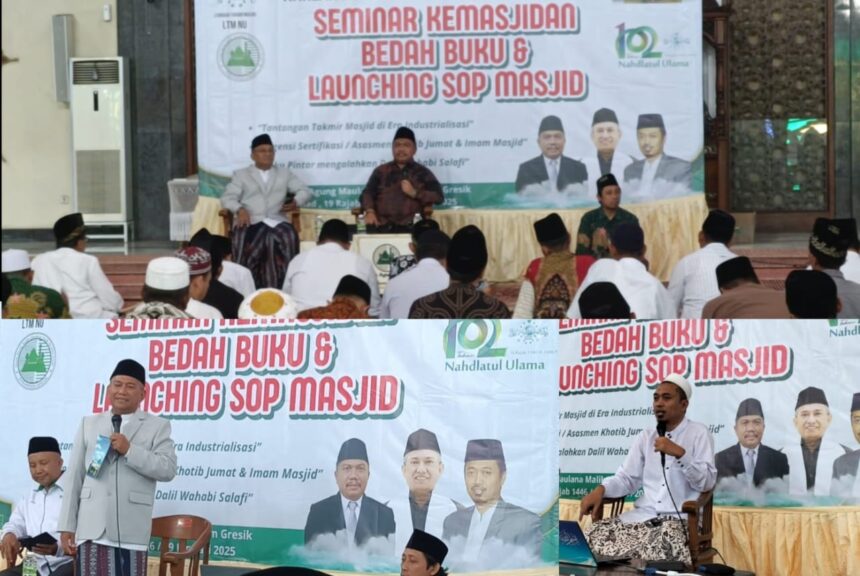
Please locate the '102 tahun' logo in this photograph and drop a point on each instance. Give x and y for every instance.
(473, 338)
(636, 42)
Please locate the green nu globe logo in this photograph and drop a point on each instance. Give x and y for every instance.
(240, 56)
(34, 361)
(638, 42)
(473, 338)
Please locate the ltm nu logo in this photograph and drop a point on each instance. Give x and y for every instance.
(638, 42)
(465, 338)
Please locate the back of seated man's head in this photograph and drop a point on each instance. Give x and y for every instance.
(17, 263)
(432, 244)
(719, 226)
(603, 300)
(69, 231)
(828, 244)
(167, 280)
(213, 245)
(467, 255)
(353, 287)
(627, 241)
(552, 234)
(811, 294)
(334, 230)
(735, 272)
(421, 227)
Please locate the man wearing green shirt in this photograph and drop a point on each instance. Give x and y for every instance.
(28, 300)
(597, 225)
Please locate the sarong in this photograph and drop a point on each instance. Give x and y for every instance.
(266, 251)
(98, 560)
(665, 541)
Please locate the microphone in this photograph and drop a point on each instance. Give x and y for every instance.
(661, 431)
(116, 420)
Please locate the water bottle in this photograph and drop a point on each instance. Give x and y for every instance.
(30, 567)
(361, 227)
(318, 224)
(416, 219)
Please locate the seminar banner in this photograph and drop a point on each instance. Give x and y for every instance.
(613, 85)
(787, 390)
(260, 412)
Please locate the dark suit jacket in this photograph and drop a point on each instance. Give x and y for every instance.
(769, 464)
(570, 171)
(670, 169)
(847, 465)
(510, 524)
(326, 517)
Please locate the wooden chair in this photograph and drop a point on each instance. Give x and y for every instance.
(182, 528)
(700, 520)
(295, 218)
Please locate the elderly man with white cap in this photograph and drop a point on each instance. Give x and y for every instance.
(31, 301)
(672, 462)
(165, 290)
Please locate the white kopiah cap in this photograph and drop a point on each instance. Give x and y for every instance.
(681, 383)
(167, 273)
(15, 260)
(268, 303)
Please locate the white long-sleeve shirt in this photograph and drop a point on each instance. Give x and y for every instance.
(35, 513)
(694, 279)
(423, 279)
(851, 268)
(237, 277)
(80, 277)
(644, 293)
(688, 476)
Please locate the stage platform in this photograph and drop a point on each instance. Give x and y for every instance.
(773, 256)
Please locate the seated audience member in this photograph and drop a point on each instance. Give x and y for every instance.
(851, 268)
(399, 189)
(37, 512)
(200, 270)
(351, 300)
(427, 277)
(313, 275)
(694, 281)
(652, 529)
(79, 276)
(219, 295)
(466, 261)
(828, 247)
(550, 282)
(7, 291)
(601, 301)
(30, 301)
(259, 195)
(233, 275)
(741, 295)
(596, 226)
(268, 303)
(165, 290)
(423, 555)
(811, 294)
(626, 268)
(406, 261)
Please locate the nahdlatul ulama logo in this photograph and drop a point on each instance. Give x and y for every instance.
(240, 56)
(34, 361)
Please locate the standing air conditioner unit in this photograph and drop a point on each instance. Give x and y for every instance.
(101, 143)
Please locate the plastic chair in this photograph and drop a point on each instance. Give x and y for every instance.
(183, 194)
(182, 528)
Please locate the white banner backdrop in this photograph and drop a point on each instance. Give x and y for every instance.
(331, 81)
(609, 370)
(259, 412)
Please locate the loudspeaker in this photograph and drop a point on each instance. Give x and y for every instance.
(61, 25)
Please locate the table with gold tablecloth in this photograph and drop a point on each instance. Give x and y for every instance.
(781, 541)
(671, 231)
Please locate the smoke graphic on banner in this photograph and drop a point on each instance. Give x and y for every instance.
(770, 392)
(276, 423)
(332, 81)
